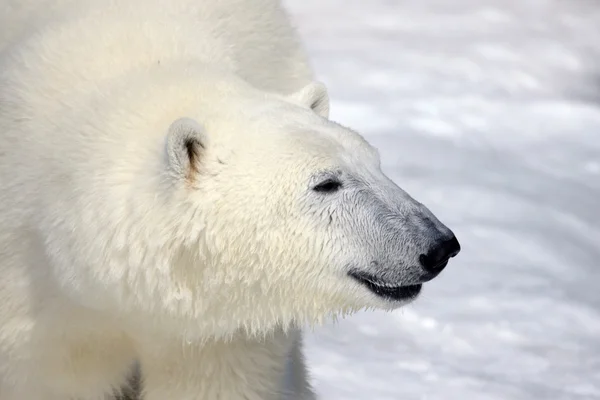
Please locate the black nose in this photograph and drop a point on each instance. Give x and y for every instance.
(437, 258)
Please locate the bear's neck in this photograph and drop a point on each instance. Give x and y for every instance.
(241, 368)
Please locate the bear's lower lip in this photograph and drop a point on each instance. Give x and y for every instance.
(387, 291)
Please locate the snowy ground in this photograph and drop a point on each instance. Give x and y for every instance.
(488, 111)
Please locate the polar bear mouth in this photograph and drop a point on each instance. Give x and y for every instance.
(386, 290)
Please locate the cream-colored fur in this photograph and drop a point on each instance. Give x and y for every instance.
(156, 163)
(58, 58)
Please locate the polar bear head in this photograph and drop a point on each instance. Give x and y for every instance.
(294, 218)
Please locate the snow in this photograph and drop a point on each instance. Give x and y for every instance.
(487, 111)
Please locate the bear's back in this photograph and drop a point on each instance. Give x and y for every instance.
(98, 39)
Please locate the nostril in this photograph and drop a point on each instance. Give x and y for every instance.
(429, 264)
(437, 257)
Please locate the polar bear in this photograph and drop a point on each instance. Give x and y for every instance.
(176, 204)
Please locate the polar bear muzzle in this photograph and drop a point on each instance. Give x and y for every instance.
(430, 266)
(403, 244)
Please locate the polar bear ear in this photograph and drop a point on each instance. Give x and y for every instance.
(186, 143)
(315, 96)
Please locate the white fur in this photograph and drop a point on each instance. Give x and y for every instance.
(117, 248)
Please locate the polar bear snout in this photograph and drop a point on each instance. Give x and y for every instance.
(436, 259)
(412, 247)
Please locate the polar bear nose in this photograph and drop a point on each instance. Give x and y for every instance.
(437, 258)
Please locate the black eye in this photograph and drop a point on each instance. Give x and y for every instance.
(328, 186)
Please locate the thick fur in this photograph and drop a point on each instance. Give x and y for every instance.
(158, 163)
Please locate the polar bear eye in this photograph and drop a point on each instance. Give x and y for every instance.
(328, 186)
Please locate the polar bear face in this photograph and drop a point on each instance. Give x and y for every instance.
(299, 222)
